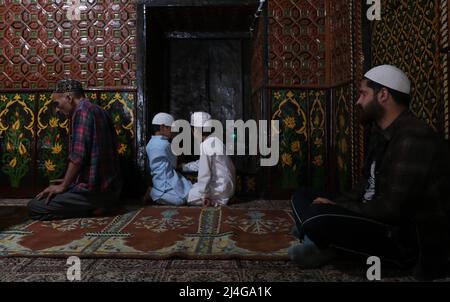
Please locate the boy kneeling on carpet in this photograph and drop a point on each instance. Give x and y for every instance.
(216, 173)
(169, 186)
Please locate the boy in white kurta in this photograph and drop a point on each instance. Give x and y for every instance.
(216, 172)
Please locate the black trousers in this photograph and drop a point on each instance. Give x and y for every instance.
(334, 226)
(71, 205)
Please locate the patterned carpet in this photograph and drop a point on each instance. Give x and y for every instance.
(178, 270)
(101, 269)
(155, 233)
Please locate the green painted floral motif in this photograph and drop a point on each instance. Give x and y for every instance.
(92, 96)
(318, 136)
(53, 155)
(123, 143)
(16, 159)
(293, 135)
(120, 107)
(52, 133)
(16, 155)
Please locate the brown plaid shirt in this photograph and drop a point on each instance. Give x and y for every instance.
(411, 175)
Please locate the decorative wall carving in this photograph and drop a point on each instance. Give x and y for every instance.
(297, 42)
(407, 36)
(39, 44)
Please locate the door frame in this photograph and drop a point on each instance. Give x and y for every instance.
(142, 106)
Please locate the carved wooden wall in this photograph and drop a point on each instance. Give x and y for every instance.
(408, 36)
(306, 66)
(311, 84)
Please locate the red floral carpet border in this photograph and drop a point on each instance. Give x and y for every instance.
(157, 233)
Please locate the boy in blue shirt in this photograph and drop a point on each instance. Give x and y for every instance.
(169, 186)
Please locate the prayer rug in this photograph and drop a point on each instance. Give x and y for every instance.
(156, 233)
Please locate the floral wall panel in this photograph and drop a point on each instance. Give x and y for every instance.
(52, 141)
(17, 134)
(121, 106)
(92, 96)
(290, 107)
(342, 136)
(317, 134)
(29, 122)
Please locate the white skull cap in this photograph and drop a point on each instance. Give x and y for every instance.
(163, 118)
(391, 77)
(198, 119)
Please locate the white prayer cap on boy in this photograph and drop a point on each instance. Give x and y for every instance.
(163, 119)
(199, 118)
(391, 77)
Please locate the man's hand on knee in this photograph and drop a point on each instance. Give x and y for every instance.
(321, 200)
(50, 192)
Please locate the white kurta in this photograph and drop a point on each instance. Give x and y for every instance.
(216, 174)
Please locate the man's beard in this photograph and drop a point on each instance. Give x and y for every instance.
(371, 113)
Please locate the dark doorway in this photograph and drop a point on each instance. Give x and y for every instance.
(207, 75)
(196, 57)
